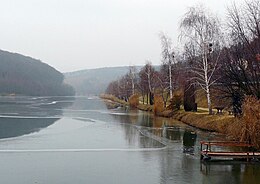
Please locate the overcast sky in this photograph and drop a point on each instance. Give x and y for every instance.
(73, 35)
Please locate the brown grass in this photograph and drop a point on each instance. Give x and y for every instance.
(216, 123)
(250, 121)
(216, 99)
(113, 99)
(145, 107)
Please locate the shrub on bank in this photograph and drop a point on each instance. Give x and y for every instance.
(134, 100)
(189, 98)
(158, 105)
(175, 102)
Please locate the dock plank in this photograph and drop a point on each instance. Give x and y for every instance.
(230, 154)
(207, 153)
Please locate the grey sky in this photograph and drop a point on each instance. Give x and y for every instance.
(79, 34)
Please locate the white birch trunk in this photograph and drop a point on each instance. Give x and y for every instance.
(207, 82)
(209, 99)
(133, 87)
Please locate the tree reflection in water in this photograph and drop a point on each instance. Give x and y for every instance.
(231, 172)
(172, 133)
(189, 139)
(25, 115)
(14, 127)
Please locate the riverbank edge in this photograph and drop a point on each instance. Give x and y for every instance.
(202, 120)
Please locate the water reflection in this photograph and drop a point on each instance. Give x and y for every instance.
(171, 133)
(14, 127)
(230, 172)
(146, 121)
(87, 124)
(189, 140)
(180, 162)
(25, 115)
(161, 127)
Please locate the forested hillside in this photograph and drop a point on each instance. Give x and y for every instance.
(94, 81)
(27, 76)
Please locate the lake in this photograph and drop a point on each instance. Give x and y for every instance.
(78, 140)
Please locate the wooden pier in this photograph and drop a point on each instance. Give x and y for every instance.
(247, 152)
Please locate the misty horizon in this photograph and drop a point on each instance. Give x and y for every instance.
(78, 35)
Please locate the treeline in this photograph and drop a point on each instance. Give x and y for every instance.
(26, 76)
(216, 57)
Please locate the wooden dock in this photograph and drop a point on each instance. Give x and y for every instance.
(207, 152)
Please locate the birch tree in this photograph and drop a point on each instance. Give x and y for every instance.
(132, 76)
(168, 58)
(147, 79)
(201, 32)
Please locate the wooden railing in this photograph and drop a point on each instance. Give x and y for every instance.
(247, 153)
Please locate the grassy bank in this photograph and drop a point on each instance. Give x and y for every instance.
(215, 123)
(145, 107)
(201, 119)
(246, 128)
(113, 102)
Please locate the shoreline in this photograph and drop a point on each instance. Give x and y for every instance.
(202, 120)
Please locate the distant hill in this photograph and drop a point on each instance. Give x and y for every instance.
(27, 76)
(94, 81)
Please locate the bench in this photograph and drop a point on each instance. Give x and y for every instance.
(219, 109)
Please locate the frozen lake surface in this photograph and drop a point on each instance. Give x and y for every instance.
(79, 140)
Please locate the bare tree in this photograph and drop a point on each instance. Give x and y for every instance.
(132, 76)
(168, 58)
(244, 22)
(240, 62)
(162, 85)
(112, 88)
(147, 79)
(201, 31)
